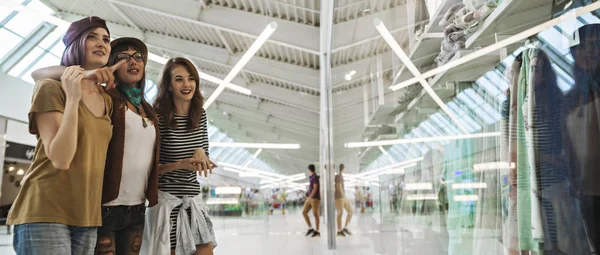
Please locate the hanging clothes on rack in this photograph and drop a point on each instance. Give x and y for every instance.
(583, 128)
(564, 232)
(510, 227)
(529, 212)
(504, 173)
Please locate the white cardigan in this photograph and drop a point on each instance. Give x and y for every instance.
(158, 226)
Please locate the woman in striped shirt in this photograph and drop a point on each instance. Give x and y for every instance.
(183, 153)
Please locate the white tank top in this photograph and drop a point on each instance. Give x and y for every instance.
(137, 161)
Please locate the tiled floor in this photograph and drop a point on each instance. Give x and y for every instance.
(284, 234)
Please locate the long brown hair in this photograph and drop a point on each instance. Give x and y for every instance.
(164, 103)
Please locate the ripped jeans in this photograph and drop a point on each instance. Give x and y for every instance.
(122, 230)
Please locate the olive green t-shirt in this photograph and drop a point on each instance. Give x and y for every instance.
(71, 197)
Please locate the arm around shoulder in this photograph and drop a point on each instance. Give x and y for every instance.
(52, 72)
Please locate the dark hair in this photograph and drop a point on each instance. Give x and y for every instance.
(75, 53)
(311, 167)
(342, 167)
(113, 57)
(164, 104)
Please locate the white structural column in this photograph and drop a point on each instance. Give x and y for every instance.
(326, 121)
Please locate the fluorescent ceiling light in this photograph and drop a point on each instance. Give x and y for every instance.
(257, 153)
(287, 179)
(247, 169)
(472, 185)
(493, 166)
(284, 185)
(395, 171)
(262, 38)
(391, 159)
(249, 175)
(203, 76)
(228, 190)
(253, 157)
(12, 168)
(419, 186)
(158, 59)
(364, 184)
(348, 77)
(420, 140)
(501, 44)
(414, 197)
(232, 170)
(405, 163)
(222, 201)
(383, 150)
(281, 146)
(466, 198)
(389, 39)
(229, 85)
(20, 172)
(353, 72)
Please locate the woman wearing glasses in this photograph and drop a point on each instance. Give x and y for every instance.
(131, 173)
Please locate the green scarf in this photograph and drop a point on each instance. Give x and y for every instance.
(133, 95)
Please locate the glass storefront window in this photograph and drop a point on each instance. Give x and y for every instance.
(522, 177)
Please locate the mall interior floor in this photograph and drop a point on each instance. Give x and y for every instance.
(284, 234)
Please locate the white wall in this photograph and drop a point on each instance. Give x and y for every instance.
(15, 97)
(18, 132)
(15, 101)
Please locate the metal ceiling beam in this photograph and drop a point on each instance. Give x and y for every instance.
(252, 104)
(361, 67)
(355, 96)
(362, 28)
(240, 22)
(293, 113)
(261, 136)
(258, 126)
(282, 111)
(301, 101)
(305, 37)
(289, 97)
(274, 69)
(293, 157)
(349, 111)
(219, 56)
(269, 118)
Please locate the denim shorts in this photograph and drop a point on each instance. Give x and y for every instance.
(122, 230)
(54, 239)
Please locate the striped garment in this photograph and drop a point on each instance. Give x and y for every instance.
(177, 144)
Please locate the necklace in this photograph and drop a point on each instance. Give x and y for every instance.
(134, 97)
(139, 111)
